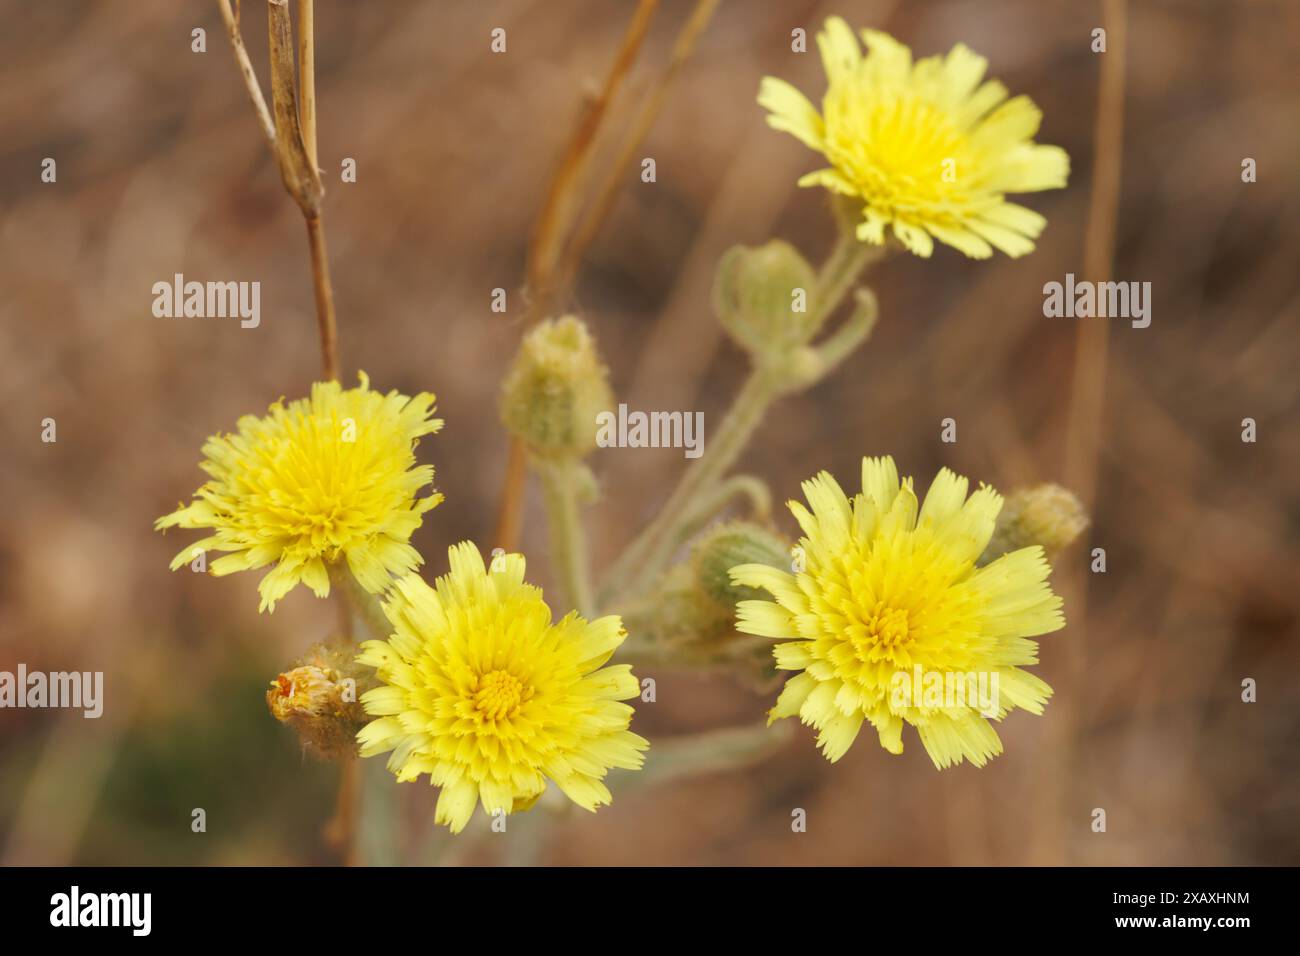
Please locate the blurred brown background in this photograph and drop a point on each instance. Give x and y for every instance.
(161, 169)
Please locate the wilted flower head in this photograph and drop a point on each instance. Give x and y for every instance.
(319, 697)
(490, 697)
(317, 481)
(890, 594)
(925, 147)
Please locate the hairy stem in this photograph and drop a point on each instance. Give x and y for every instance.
(648, 553)
(841, 270)
(364, 605)
(712, 751)
(560, 481)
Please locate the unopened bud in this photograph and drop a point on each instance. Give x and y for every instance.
(726, 546)
(1046, 515)
(556, 389)
(689, 615)
(764, 297)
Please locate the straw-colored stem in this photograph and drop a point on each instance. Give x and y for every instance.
(510, 509)
(550, 235)
(248, 74)
(555, 222)
(1048, 842)
(326, 324)
(1087, 400)
(289, 127)
(651, 105)
(341, 831)
(307, 76)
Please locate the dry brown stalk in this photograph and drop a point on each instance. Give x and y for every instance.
(1092, 338)
(1083, 430)
(297, 171)
(548, 240)
(231, 19)
(290, 131)
(289, 127)
(556, 218)
(651, 104)
(556, 249)
(307, 76)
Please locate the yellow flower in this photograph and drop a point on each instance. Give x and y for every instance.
(320, 480)
(925, 147)
(489, 697)
(887, 599)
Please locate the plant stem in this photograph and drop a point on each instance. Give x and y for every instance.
(568, 541)
(647, 554)
(246, 71)
(289, 127)
(307, 76)
(363, 605)
(554, 223)
(613, 182)
(709, 752)
(341, 831)
(511, 505)
(325, 321)
(644, 556)
(550, 234)
(841, 270)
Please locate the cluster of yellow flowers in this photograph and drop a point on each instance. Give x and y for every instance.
(491, 697)
(482, 690)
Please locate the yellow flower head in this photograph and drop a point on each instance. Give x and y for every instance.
(313, 482)
(490, 697)
(890, 621)
(926, 147)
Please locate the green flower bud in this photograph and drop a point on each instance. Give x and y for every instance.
(688, 618)
(725, 546)
(1047, 515)
(555, 389)
(764, 298)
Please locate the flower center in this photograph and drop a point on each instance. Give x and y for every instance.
(888, 626)
(499, 695)
(899, 152)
